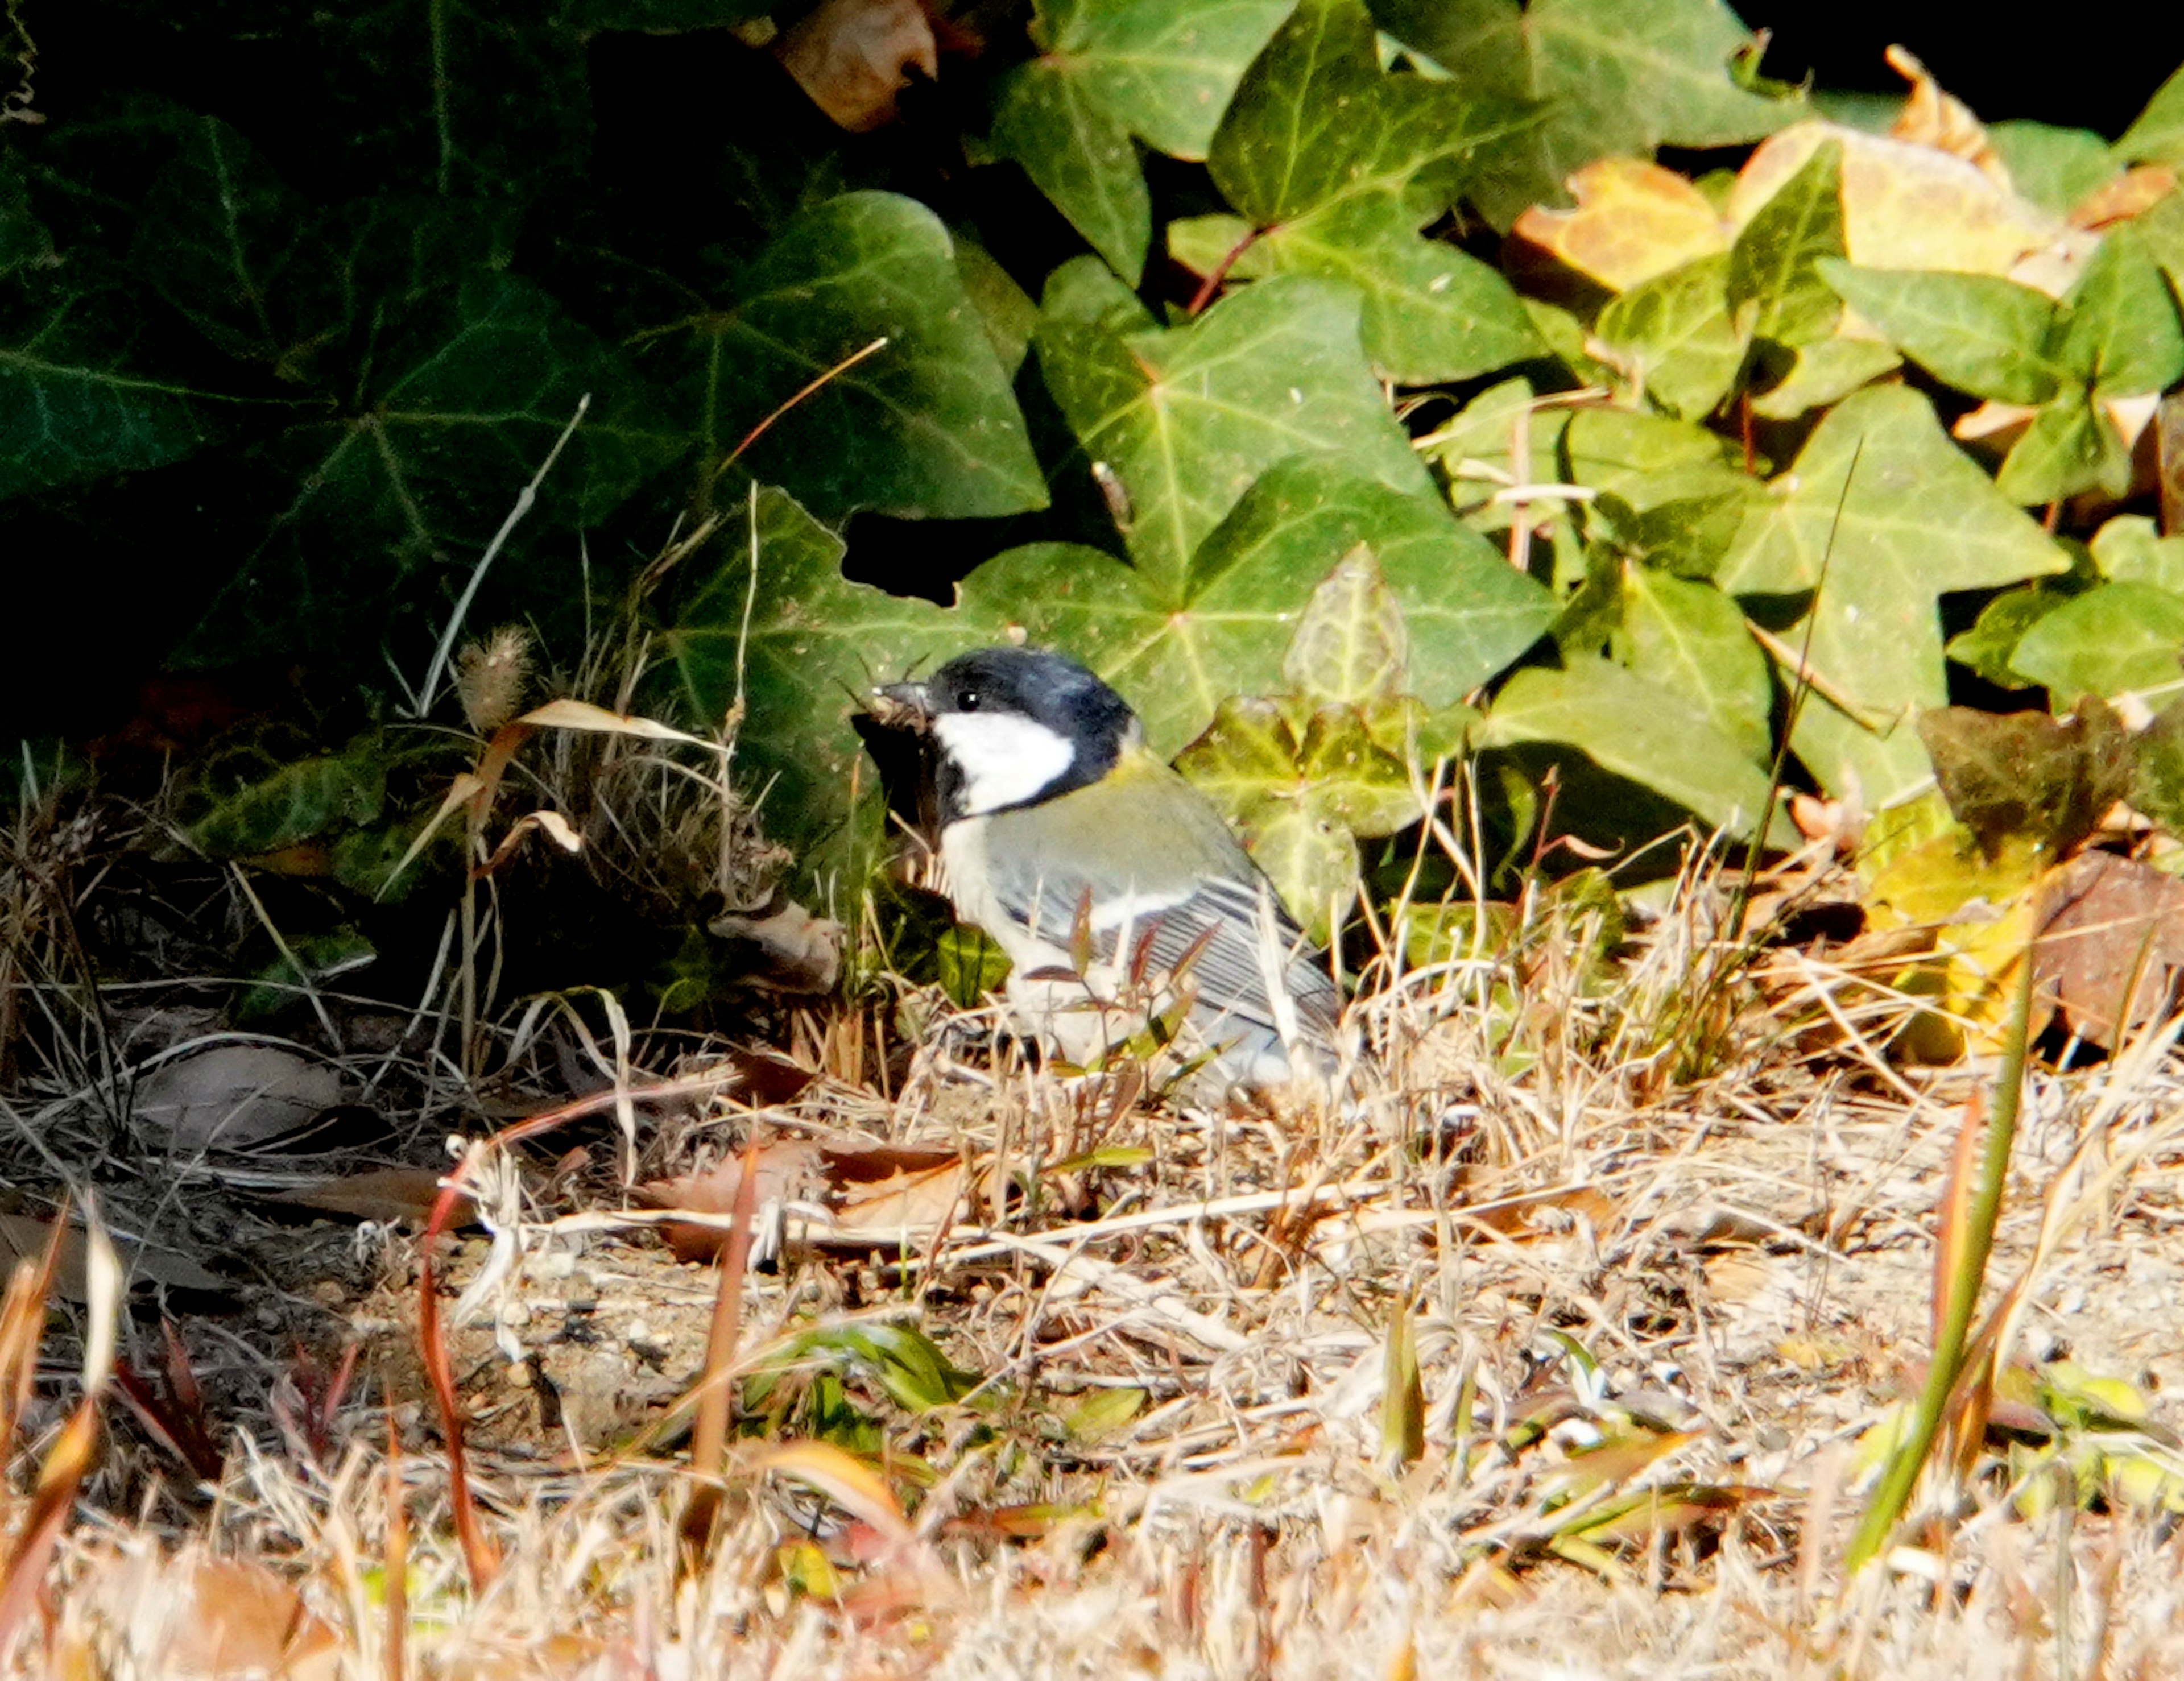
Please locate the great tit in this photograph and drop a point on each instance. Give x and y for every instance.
(1065, 838)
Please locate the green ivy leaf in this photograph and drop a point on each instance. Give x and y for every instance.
(1632, 729)
(1350, 646)
(1676, 335)
(1187, 418)
(23, 239)
(815, 646)
(1005, 308)
(925, 427)
(1690, 639)
(79, 397)
(310, 963)
(1351, 772)
(221, 237)
(456, 98)
(1986, 649)
(1824, 373)
(2115, 638)
(1980, 333)
(1895, 514)
(1302, 790)
(2157, 135)
(260, 803)
(2117, 327)
(2056, 168)
(1313, 861)
(1319, 150)
(2129, 548)
(1085, 290)
(1685, 536)
(470, 389)
(1076, 152)
(1484, 39)
(1248, 748)
(1614, 76)
(1773, 267)
(1467, 614)
(2158, 769)
(2070, 446)
(1165, 72)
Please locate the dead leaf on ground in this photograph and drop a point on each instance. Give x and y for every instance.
(860, 1196)
(854, 56)
(386, 1196)
(23, 1237)
(2111, 945)
(200, 1618)
(788, 1170)
(800, 953)
(911, 1204)
(234, 1097)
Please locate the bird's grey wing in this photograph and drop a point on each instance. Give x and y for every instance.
(1211, 931)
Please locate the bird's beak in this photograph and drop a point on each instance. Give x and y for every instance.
(902, 706)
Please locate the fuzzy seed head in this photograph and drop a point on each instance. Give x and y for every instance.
(490, 677)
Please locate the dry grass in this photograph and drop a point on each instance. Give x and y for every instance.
(1653, 1298)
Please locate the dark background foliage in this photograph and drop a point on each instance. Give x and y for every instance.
(526, 172)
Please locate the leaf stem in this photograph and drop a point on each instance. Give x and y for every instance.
(1211, 288)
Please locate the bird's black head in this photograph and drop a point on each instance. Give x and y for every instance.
(1015, 726)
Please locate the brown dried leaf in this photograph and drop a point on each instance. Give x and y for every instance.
(2111, 945)
(802, 953)
(24, 1237)
(910, 1206)
(1907, 206)
(582, 714)
(875, 1195)
(210, 1619)
(854, 56)
(2131, 193)
(233, 1097)
(551, 824)
(383, 1195)
(788, 1170)
(1932, 118)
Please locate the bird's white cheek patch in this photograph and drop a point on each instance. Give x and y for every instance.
(1004, 760)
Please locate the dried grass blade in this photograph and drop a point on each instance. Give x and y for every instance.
(70, 1458)
(709, 1436)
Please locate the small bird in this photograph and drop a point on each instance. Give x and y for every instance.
(1101, 872)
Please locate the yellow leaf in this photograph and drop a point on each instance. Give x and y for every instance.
(1633, 220)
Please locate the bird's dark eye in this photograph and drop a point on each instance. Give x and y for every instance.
(968, 701)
